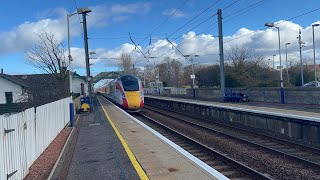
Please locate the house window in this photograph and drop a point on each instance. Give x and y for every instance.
(9, 98)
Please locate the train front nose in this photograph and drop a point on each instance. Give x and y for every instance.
(133, 99)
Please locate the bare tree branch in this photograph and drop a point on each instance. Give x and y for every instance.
(48, 55)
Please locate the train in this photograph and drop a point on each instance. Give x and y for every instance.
(126, 91)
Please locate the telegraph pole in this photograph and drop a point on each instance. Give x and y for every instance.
(222, 81)
(85, 38)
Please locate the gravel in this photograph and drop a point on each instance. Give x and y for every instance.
(43, 165)
(265, 162)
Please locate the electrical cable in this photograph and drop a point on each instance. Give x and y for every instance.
(163, 22)
(230, 5)
(75, 3)
(314, 10)
(194, 18)
(244, 10)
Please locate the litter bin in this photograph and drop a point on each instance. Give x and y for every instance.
(85, 104)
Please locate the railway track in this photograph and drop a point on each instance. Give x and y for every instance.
(309, 156)
(288, 159)
(222, 163)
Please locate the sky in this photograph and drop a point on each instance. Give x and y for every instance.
(190, 25)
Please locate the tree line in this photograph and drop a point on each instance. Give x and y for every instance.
(243, 68)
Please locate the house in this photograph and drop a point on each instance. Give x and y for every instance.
(79, 84)
(44, 88)
(12, 90)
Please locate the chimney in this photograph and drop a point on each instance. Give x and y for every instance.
(1, 71)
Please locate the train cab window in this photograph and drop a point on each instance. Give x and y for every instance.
(130, 83)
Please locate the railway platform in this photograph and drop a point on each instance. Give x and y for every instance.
(300, 123)
(110, 144)
(305, 112)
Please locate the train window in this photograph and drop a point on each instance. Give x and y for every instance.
(130, 83)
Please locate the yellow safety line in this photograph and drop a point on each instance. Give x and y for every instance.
(132, 158)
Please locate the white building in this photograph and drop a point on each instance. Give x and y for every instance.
(79, 84)
(155, 87)
(12, 90)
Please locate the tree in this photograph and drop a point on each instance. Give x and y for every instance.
(295, 74)
(247, 69)
(125, 63)
(48, 55)
(208, 76)
(170, 71)
(149, 74)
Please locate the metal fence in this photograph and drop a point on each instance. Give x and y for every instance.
(179, 91)
(166, 91)
(25, 135)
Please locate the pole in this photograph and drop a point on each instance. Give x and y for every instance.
(314, 58)
(222, 81)
(159, 81)
(144, 78)
(193, 76)
(281, 79)
(287, 63)
(301, 65)
(273, 60)
(71, 106)
(85, 37)
(192, 72)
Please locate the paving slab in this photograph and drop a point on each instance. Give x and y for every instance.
(99, 153)
(156, 157)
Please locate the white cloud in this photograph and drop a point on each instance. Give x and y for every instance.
(177, 13)
(133, 8)
(24, 35)
(206, 45)
(264, 42)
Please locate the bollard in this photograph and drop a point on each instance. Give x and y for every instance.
(71, 114)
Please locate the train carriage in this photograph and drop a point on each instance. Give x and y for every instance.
(127, 92)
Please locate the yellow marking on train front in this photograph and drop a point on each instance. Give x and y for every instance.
(133, 98)
(132, 158)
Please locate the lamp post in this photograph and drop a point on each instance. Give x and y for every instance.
(281, 80)
(71, 106)
(287, 61)
(314, 55)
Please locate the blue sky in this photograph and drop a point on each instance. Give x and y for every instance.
(110, 23)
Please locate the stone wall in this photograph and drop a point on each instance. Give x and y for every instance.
(293, 95)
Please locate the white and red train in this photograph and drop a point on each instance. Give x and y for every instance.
(126, 91)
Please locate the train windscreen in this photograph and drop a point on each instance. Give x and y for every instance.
(130, 83)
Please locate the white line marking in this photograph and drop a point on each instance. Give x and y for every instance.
(94, 124)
